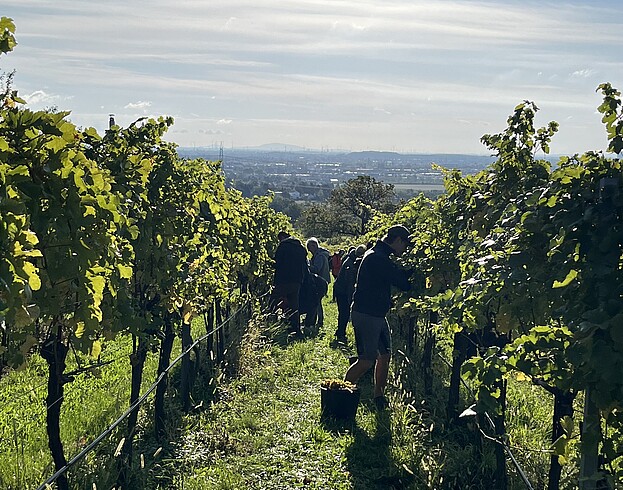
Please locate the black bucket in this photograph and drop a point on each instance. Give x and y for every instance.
(339, 404)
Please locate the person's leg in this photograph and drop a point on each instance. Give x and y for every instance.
(382, 364)
(276, 296)
(367, 330)
(343, 313)
(310, 320)
(295, 321)
(357, 370)
(380, 374)
(292, 297)
(320, 314)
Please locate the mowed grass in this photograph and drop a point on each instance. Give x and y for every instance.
(265, 430)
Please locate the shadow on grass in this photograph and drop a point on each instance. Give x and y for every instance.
(207, 389)
(344, 347)
(206, 376)
(277, 329)
(369, 459)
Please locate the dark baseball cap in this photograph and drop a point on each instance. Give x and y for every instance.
(400, 232)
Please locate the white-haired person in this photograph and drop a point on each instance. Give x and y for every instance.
(319, 264)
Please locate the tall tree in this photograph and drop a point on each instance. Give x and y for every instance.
(361, 197)
(287, 206)
(318, 219)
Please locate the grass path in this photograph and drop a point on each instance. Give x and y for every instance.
(265, 430)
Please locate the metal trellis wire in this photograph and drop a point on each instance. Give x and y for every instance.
(87, 449)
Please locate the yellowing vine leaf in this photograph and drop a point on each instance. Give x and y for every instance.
(570, 277)
(124, 271)
(96, 349)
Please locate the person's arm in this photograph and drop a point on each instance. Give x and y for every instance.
(314, 263)
(278, 257)
(345, 265)
(399, 278)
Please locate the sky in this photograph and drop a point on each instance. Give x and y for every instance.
(410, 76)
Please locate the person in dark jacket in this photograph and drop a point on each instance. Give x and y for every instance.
(344, 287)
(371, 302)
(314, 288)
(290, 269)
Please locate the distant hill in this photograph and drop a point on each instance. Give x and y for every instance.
(278, 147)
(277, 152)
(461, 161)
(373, 154)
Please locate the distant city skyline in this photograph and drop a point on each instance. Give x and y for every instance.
(410, 76)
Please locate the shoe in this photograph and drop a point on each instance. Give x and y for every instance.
(380, 402)
(341, 339)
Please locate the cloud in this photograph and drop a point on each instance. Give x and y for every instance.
(585, 73)
(382, 111)
(228, 23)
(141, 105)
(221, 122)
(40, 97)
(211, 131)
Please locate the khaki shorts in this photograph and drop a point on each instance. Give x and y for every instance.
(371, 335)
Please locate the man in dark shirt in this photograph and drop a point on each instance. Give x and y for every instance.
(290, 267)
(371, 302)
